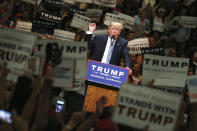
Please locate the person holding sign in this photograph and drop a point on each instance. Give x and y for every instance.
(108, 48)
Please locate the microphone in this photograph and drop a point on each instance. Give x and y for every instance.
(113, 39)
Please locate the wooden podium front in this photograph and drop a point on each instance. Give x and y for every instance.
(103, 80)
(93, 93)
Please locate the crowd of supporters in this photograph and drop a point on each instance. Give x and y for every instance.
(28, 98)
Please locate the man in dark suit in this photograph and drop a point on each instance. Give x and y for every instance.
(100, 45)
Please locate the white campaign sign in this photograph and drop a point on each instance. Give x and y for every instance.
(128, 21)
(94, 12)
(186, 21)
(192, 87)
(81, 64)
(106, 3)
(167, 71)
(15, 47)
(33, 1)
(64, 73)
(175, 90)
(80, 21)
(70, 49)
(69, 1)
(112, 17)
(136, 45)
(64, 35)
(24, 26)
(84, 1)
(138, 106)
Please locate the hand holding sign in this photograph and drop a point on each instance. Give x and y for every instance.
(49, 79)
(76, 118)
(92, 27)
(4, 71)
(100, 105)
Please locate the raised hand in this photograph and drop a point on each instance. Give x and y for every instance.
(18, 122)
(76, 118)
(100, 104)
(92, 27)
(48, 78)
(4, 71)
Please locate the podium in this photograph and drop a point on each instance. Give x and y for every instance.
(103, 80)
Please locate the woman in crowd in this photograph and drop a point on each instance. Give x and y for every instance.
(142, 24)
(136, 76)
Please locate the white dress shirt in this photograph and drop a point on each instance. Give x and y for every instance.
(104, 59)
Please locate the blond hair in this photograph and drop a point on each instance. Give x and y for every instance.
(113, 23)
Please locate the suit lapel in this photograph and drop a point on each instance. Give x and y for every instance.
(103, 44)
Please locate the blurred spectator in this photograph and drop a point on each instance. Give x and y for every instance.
(172, 52)
(139, 61)
(133, 58)
(180, 33)
(130, 36)
(80, 35)
(131, 7)
(142, 24)
(136, 77)
(155, 39)
(104, 123)
(158, 18)
(193, 62)
(190, 71)
(119, 6)
(177, 40)
(21, 93)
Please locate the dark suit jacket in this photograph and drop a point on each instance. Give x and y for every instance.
(97, 46)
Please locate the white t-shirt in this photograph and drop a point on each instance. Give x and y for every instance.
(158, 24)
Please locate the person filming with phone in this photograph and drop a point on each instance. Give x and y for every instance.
(108, 48)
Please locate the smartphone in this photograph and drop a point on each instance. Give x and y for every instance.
(5, 116)
(59, 105)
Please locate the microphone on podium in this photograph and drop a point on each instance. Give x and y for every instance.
(112, 39)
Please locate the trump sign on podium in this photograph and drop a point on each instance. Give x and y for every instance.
(106, 74)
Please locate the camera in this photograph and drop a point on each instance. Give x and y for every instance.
(59, 105)
(5, 116)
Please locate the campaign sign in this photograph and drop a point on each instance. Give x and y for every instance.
(24, 26)
(15, 47)
(186, 21)
(106, 3)
(136, 45)
(80, 21)
(33, 1)
(64, 73)
(64, 49)
(175, 90)
(192, 87)
(64, 35)
(166, 71)
(138, 106)
(153, 50)
(69, 1)
(106, 74)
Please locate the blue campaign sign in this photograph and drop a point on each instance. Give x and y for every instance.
(106, 74)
